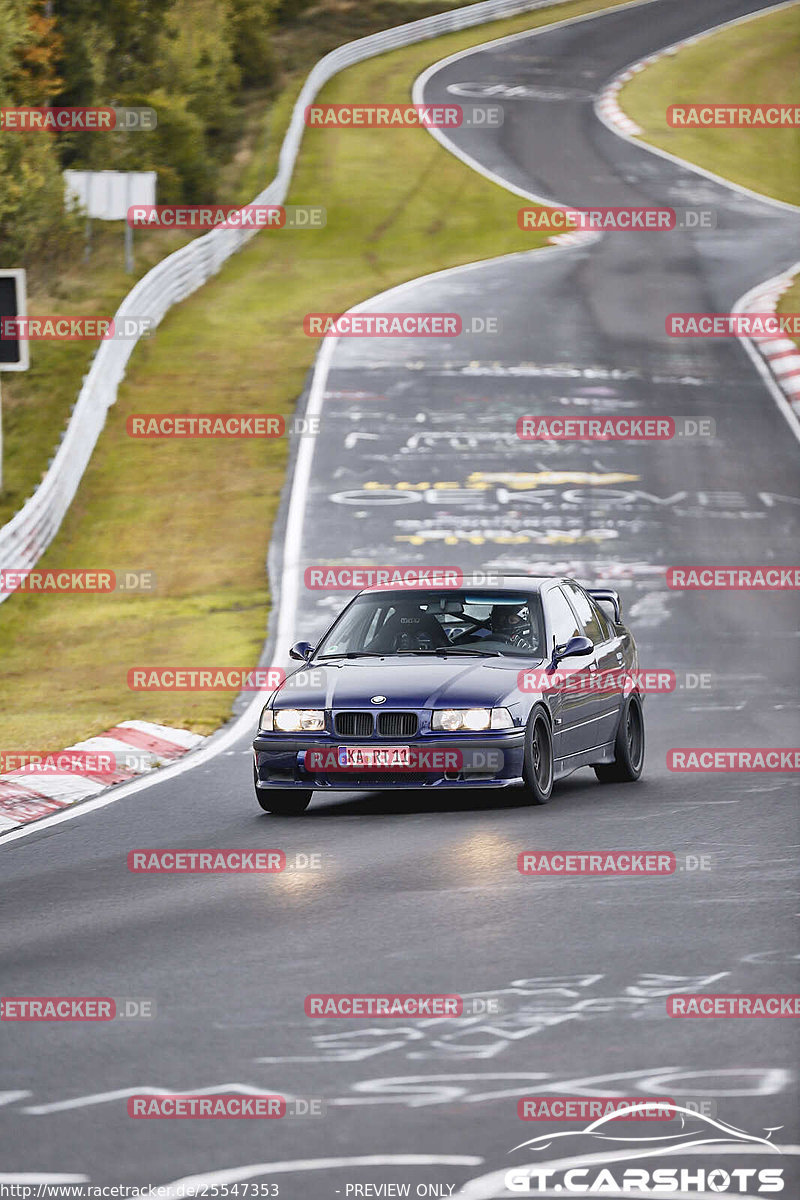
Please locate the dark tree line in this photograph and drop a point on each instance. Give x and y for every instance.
(190, 60)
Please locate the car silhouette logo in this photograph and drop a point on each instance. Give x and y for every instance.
(378, 700)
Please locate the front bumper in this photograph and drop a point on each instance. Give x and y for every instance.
(280, 762)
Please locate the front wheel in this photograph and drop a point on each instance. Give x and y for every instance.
(537, 770)
(284, 802)
(628, 746)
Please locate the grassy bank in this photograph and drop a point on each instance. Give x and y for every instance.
(752, 63)
(200, 513)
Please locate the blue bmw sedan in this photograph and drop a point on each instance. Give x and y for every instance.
(515, 684)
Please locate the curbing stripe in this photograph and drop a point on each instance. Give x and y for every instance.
(28, 796)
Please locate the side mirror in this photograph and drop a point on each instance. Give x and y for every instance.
(577, 647)
(302, 651)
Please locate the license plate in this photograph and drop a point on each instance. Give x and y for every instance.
(387, 758)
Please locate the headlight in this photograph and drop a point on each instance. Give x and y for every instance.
(449, 718)
(296, 720)
(266, 718)
(471, 720)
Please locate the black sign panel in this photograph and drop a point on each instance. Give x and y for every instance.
(10, 350)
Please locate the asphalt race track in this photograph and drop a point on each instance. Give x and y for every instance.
(418, 893)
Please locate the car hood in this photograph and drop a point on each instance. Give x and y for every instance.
(413, 682)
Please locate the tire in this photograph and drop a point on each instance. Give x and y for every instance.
(537, 770)
(628, 746)
(285, 802)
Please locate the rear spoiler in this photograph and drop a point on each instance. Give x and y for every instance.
(611, 596)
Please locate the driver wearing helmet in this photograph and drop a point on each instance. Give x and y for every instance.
(512, 625)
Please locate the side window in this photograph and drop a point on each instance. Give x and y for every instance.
(561, 617)
(605, 622)
(587, 614)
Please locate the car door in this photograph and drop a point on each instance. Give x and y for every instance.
(571, 698)
(608, 666)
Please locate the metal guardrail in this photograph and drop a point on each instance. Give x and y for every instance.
(28, 534)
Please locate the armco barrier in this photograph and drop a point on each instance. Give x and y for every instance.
(28, 534)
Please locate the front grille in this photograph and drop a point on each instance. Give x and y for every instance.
(353, 724)
(397, 724)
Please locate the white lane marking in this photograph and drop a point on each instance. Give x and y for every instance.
(744, 304)
(180, 1187)
(239, 1089)
(636, 67)
(421, 80)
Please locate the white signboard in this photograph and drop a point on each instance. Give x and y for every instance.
(107, 195)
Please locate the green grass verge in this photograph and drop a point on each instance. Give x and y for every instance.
(200, 513)
(752, 63)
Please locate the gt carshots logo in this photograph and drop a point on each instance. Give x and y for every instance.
(701, 1135)
(660, 1180)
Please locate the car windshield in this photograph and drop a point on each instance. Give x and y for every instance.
(442, 623)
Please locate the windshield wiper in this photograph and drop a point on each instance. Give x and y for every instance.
(352, 654)
(470, 650)
(443, 651)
